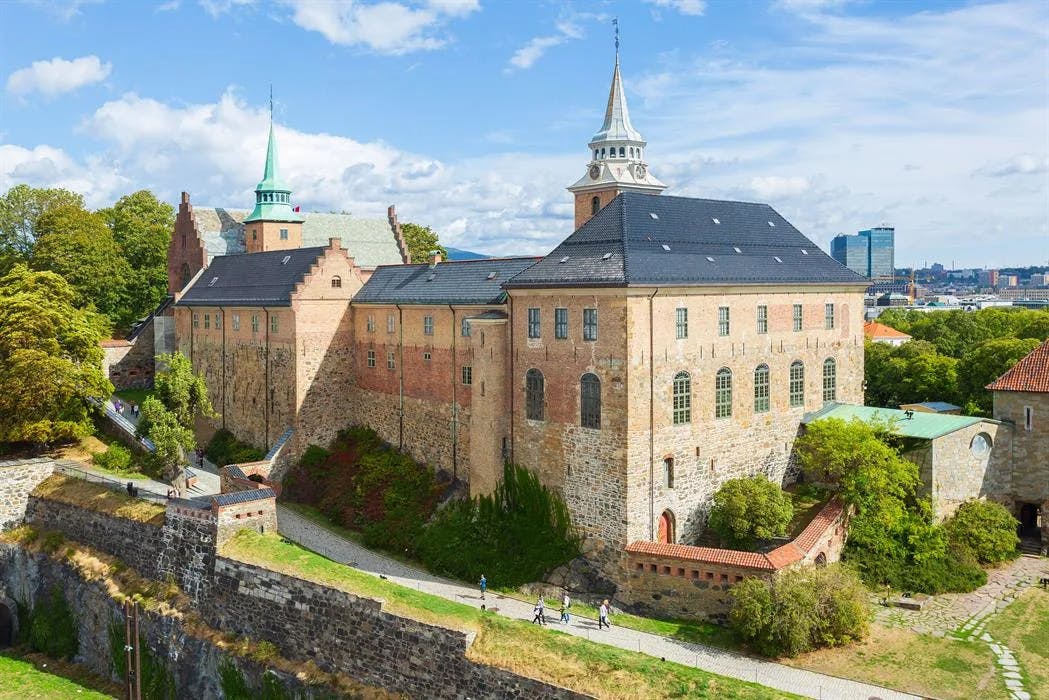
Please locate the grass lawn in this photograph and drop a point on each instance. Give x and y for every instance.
(85, 448)
(23, 677)
(1024, 628)
(585, 666)
(78, 492)
(135, 396)
(916, 663)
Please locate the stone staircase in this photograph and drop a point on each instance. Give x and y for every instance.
(1031, 546)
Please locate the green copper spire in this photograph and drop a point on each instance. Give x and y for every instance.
(272, 195)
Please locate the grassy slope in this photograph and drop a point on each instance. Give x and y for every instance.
(22, 678)
(1024, 628)
(569, 661)
(67, 489)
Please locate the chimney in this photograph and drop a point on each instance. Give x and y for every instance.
(335, 243)
(435, 257)
(185, 198)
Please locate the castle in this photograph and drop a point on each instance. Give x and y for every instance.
(665, 346)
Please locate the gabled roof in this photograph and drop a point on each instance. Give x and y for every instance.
(873, 329)
(258, 279)
(454, 282)
(645, 240)
(1029, 374)
(370, 242)
(927, 426)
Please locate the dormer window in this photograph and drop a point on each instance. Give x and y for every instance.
(336, 282)
(285, 259)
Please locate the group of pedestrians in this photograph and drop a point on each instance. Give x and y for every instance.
(120, 407)
(539, 611)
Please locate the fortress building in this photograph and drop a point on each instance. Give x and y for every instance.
(665, 346)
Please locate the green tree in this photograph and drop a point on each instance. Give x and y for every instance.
(986, 362)
(910, 373)
(750, 509)
(20, 209)
(984, 531)
(142, 226)
(181, 392)
(421, 241)
(50, 359)
(78, 245)
(171, 439)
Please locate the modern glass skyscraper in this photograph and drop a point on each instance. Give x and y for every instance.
(870, 252)
(850, 251)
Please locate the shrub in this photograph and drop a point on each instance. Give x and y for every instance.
(53, 629)
(984, 531)
(513, 536)
(225, 449)
(799, 610)
(751, 509)
(157, 681)
(116, 458)
(945, 573)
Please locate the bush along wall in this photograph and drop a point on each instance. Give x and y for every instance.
(225, 449)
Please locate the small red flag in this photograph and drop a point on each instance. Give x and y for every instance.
(299, 208)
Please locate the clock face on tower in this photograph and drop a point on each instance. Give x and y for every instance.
(595, 171)
(639, 171)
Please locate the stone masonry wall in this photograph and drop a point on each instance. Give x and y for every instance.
(341, 631)
(130, 364)
(1028, 456)
(17, 479)
(958, 475)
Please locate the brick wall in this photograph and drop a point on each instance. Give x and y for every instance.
(17, 479)
(186, 252)
(130, 364)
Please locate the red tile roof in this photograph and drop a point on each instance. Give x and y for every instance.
(873, 329)
(1029, 374)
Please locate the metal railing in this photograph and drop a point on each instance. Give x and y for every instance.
(111, 484)
(123, 423)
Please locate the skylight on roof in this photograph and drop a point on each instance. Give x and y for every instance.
(666, 247)
(736, 249)
(715, 220)
(491, 275)
(563, 260)
(776, 258)
(710, 259)
(213, 281)
(285, 260)
(653, 215)
(804, 252)
(432, 277)
(771, 224)
(606, 256)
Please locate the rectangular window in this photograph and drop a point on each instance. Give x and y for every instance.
(560, 323)
(207, 320)
(273, 323)
(390, 362)
(218, 320)
(196, 320)
(427, 357)
(236, 322)
(828, 316)
(723, 325)
(254, 323)
(797, 317)
(589, 324)
(533, 322)
(763, 319)
(465, 328)
(668, 472)
(427, 325)
(284, 234)
(681, 325)
(1028, 418)
(371, 358)
(391, 322)
(797, 384)
(371, 323)
(468, 374)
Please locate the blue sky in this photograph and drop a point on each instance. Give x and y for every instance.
(473, 115)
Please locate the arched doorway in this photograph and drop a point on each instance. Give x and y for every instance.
(7, 626)
(667, 532)
(821, 559)
(1029, 520)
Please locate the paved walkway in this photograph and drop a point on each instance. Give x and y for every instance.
(720, 661)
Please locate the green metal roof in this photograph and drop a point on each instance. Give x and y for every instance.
(272, 195)
(927, 426)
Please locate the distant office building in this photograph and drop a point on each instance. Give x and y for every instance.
(1008, 280)
(988, 278)
(870, 252)
(1039, 279)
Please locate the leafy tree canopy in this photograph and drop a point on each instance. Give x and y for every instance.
(750, 509)
(50, 359)
(984, 531)
(986, 362)
(172, 439)
(181, 392)
(421, 241)
(20, 209)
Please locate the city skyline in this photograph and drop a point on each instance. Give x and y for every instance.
(474, 118)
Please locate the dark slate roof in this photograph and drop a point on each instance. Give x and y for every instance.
(251, 279)
(228, 499)
(641, 239)
(453, 282)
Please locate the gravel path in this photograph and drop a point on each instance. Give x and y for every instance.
(726, 663)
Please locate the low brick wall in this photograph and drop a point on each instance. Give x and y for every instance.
(683, 581)
(17, 479)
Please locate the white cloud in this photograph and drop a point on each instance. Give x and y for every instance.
(385, 27)
(776, 186)
(216, 8)
(685, 7)
(58, 75)
(1023, 164)
(566, 30)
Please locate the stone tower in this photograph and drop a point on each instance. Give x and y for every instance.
(617, 159)
(272, 224)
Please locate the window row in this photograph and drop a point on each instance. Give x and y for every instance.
(561, 323)
(276, 197)
(601, 153)
(589, 398)
(428, 323)
(235, 321)
(681, 390)
(762, 318)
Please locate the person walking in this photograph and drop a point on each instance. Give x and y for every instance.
(602, 615)
(483, 583)
(537, 613)
(565, 604)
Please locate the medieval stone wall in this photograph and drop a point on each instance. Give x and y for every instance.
(959, 475)
(17, 479)
(1028, 454)
(130, 364)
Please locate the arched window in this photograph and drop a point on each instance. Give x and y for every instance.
(622, 152)
(761, 389)
(595, 154)
(797, 383)
(336, 282)
(534, 394)
(666, 528)
(595, 205)
(723, 393)
(830, 380)
(590, 401)
(602, 153)
(631, 151)
(682, 398)
(185, 275)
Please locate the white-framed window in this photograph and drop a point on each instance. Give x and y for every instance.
(371, 323)
(533, 322)
(371, 358)
(236, 322)
(761, 389)
(391, 362)
(427, 325)
(723, 393)
(284, 234)
(589, 324)
(391, 322)
(723, 321)
(254, 323)
(560, 323)
(828, 316)
(207, 321)
(830, 380)
(273, 323)
(468, 375)
(797, 383)
(763, 319)
(464, 328)
(682, 398)
(681, 324)
(196, 320)
(797, 317)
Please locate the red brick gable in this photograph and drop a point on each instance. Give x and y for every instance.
(1029, 374)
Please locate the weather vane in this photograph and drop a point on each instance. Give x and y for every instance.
(271, 102)
(615, 23)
